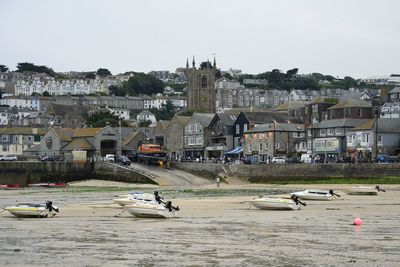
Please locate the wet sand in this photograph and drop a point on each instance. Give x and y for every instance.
(213, 231)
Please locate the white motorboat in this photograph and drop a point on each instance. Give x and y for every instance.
(152, 210)
(316, 194)
(33, 210)
(273, 203)
(365, 190)
(132, 198)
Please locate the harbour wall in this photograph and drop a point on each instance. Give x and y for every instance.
(26, 172)
(264, 173)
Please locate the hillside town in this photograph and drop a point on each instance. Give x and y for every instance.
(213, 118)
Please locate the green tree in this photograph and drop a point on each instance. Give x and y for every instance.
(3, 68)
(91, 75)
(166, 112)
(142, 83)
(117, 90)
(21, 67)
(46, 93)
(187, 113)
(144, 123)
(104, 118)
(103, 72)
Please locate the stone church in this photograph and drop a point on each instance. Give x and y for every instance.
(201, 87)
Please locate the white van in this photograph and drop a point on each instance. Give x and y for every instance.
(306, 158)
(110, 158)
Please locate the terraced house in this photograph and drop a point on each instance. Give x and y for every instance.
(16, 140)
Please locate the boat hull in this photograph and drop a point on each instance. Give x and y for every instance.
(360, 190)
(319, 195)
(274, 204)
(151, 211)
(31, 210)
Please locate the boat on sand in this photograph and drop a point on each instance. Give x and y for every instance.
(157, 208)
(133, 198)
(33, 210)
(316, 194)
(152, 210)
(365, 190)
(274, 203)
(11, 186)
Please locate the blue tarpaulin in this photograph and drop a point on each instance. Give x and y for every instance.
(236, 150)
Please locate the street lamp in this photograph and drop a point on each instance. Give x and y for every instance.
(120, 138)
(376, 133)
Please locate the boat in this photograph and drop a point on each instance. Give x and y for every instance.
(316, 194)
(365, 190)
(146, 209)
(33, 210)
(132, 197)
(48, 185)
(275, 203)
(11, 186)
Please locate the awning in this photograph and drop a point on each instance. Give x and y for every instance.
(236, 150)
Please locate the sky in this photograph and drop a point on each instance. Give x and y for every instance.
(358, 38)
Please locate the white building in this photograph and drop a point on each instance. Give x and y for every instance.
(146, 115)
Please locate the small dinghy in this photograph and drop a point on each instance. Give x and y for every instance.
(365, 190)
(11, 186)
(316, 194)
(272, 203)
(133, 197)
(48, 185)
(157, 208)
(33, 210)
(152, 210)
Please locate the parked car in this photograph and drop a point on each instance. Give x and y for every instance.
(279, 160)
(8, 158)
(51, 158)
(386, 159)
(110, 157)
(123, 160)
(133, 157)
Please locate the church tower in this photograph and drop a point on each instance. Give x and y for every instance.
(201, 87)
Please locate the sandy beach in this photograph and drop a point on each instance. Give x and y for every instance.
(211, 231)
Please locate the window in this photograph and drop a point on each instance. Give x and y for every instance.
(204, 82)
(197, 127)
(380, 139)
(5, 138)
(266, 146)
(244, 127)
(259, 136)
(322, 132)
(277, 145)
(261, 147)
(330, 131)
(338, 131)
(174, 127)
(237, 128)
(191, 141)
(199, 140)
(190, 128)
(365, 138)
(359, 112)
(250, 136)
(250, 147)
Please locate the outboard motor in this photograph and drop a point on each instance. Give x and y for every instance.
(49, 206)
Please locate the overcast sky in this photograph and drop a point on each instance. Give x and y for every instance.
(338, 37)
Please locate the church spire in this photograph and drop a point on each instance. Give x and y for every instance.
(215, 63)
(187, 63)
(193, 63)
